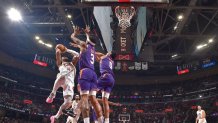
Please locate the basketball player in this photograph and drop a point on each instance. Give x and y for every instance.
(93, 117)
(106, 80)
(87, 77)
(65, 79)
(75, 109)
(201, 116)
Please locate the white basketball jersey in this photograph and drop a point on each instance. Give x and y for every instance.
(74, 104)
(199, 114)
(68, 70)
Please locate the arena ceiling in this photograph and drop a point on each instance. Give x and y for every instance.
(168, 36)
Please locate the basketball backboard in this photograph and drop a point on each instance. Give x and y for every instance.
(146, 1)
(126, 2)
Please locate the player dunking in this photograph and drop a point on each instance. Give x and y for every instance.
(87, 77)
(65, 79)
(201, 116)
(106, 80)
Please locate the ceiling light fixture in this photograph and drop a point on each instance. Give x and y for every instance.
(49, 45)
(175, 55)
(201, 46)
(69, 16)
(37, 37)
(41, 42)
(180, 17)
(210, 40)
(14, 14)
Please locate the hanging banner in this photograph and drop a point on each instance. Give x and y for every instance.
(126, 66)
(128, 57)
(124, 42)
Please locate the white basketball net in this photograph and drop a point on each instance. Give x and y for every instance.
(124, 15)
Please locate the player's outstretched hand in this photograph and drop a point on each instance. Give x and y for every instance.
(109, 53)
(87, 29)
(76, 30)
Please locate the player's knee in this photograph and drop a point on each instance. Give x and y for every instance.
(85, 105)
(85, 108)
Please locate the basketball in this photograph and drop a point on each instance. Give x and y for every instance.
(61, 47)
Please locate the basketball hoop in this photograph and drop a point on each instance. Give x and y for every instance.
(124, 15)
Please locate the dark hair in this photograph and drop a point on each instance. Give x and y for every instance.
(93, 39)
(113, 54)
(76, 96)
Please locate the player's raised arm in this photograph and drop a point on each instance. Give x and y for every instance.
(72, 52)
(75, 56)
(87, 31)
(75, 39)
(58, 57)
(98, 56)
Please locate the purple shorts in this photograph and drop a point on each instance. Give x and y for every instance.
(87, 80)
(106, 82)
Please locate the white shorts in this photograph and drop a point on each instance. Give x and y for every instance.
(66, 83)
(68, 89)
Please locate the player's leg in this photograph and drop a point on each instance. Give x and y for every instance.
(94, 101)
(65, 105)
(105, 97)
(85, 107)
(106, 82)
(85, 79)
(57, 84)
(96, 106)
(68, 96)
(84, 93)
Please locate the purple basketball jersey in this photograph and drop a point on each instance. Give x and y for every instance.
(87, 58)
(106, 65)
